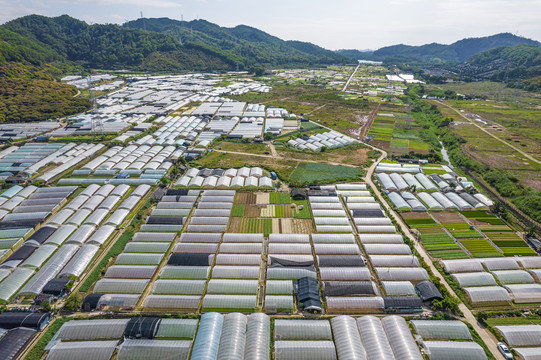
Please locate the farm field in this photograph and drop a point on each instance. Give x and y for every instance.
(480, 248)
(398, 133)
(313, 173)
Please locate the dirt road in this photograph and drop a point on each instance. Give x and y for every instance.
(528, 156)
(350, 77)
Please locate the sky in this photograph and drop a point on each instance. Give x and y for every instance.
(333, 24)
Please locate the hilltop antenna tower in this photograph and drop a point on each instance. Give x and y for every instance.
(95, 123)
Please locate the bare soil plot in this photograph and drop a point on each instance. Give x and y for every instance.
(253, 211)
(415, 215)
(246, 198)
(449, 218)
(262, 198)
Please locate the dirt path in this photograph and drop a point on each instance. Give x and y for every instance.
(316, 109)
(368, 125)
(494, 136)
(273, 150)
(350, 77)
(277, 156)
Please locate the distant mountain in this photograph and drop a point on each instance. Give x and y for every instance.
(459, 51)
(246, 45)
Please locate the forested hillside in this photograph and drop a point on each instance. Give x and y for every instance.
(246, 45)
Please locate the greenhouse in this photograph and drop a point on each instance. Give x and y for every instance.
(487, 294)
(162, 349)
(130, 272)
(95, 350)
(92, 330)
(302, 330)
(101, 235)
(387, 249)
(229, 286)
(401, 274)
(347, 339)
(529, 293)
(333, 238)
(444, 201)
(442, 329)
(533, 353)
(207, 340)
(279, 303)
(386, 182)
(304, 350)
(346, 288)
(177, 328)
(340, 260)
(381, 239)
(172, 302)
(146, 247)
(13, 282)
(521, 335)
(236, 259)
(425, 182)
(178, 287)
(395, 260)
(373, 338)
(398, 288)
(79, 261)
(120, 286)
(344, 273)
(429, 201)
(462, 265)
(475, 279)
(354, 304)
(235, 272)
(279, 287)
(336, 249)
(506, 277)
(447, 350)
(500, 264)
(138, 259)
(400, 338)
(460, 202)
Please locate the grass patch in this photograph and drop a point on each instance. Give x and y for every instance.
(280, 198)
(468, 234)
(456, 226)
(314, 173)
(303, 213)
(238, 211)
(449, 255)
(434, 171)
(424, 221)
(480, 248)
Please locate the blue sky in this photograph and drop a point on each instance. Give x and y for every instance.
(336, 24)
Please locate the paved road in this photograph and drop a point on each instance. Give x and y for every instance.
(350, 77)
(489, 339)
(528, 156)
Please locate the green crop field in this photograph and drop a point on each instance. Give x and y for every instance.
(466, 234)
(438, 238)
(256, 225)
(280, 198)
(399, 143)
(441, 247)
(456, 226)
(420, 222)
(471, 214)
(490, 228)
(314, 173)
(514, 247)
(238, 211)
(303, 213)
(480, 248)
(449, 255)
(506, 235)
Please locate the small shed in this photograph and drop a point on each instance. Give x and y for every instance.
(298, 194)
(428, 291)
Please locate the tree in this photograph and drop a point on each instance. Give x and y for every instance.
(46, 306)
(268, 136)
(73, 303)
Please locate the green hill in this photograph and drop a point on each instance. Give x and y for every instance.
(243, 44)
(459, 51)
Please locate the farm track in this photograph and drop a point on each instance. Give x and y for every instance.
(528, 156)
(351, 77)
(282, 158)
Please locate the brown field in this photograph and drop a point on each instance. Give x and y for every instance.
(415, 215)
(430, 230)
(449, 218)
(262, 198)
(252, 211)
(246, 199)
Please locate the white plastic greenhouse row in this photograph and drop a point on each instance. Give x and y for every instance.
(241, 336)
(131, 157)
(68, 160)
(316, 142)
(68, 249)
(482, 287)
(224, 182)
(399, 168)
